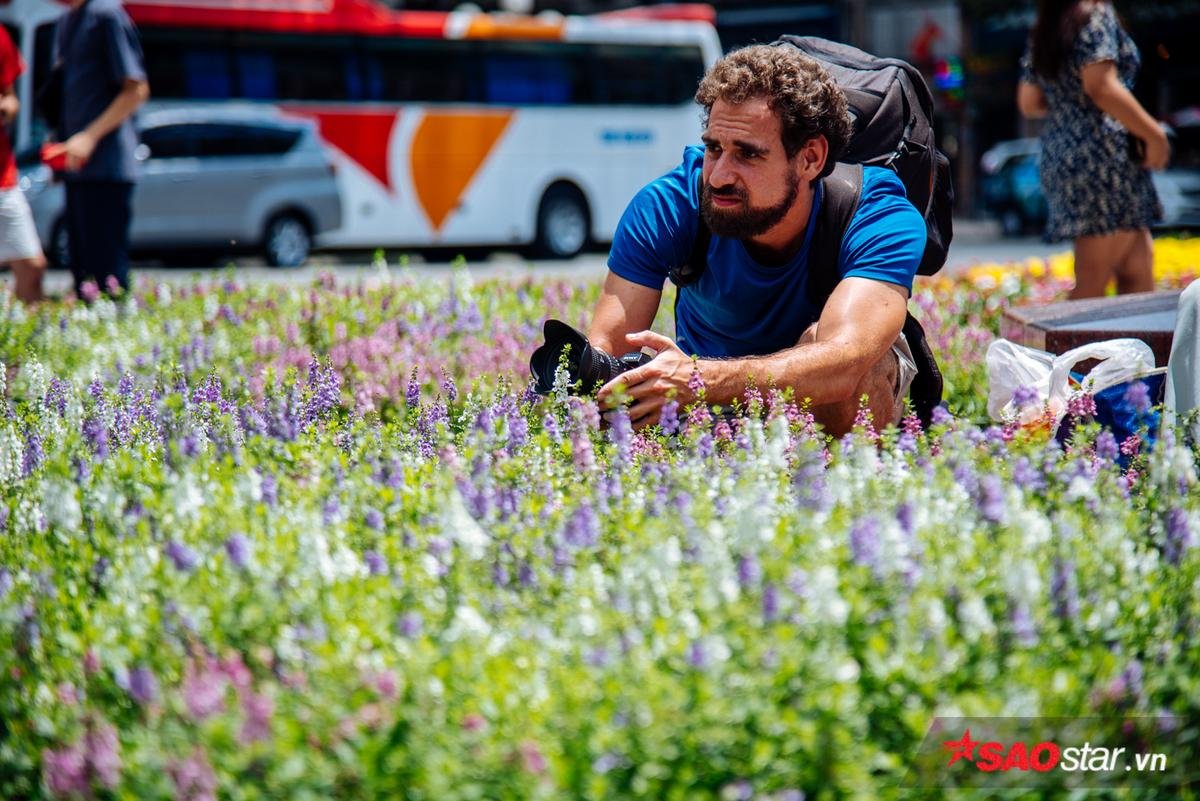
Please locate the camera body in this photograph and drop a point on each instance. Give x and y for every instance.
(589, 367)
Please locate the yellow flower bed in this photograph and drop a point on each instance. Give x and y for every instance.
(1176, 262)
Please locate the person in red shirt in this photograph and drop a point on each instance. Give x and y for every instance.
(20, 247)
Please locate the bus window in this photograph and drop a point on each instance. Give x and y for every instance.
(283, 67)
(256, 76)
(207, 74)
(528, 74)
(640, 75)
(425, 70)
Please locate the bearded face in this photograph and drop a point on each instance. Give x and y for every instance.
(729, 210)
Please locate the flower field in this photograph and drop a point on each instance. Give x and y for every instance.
(262, 542)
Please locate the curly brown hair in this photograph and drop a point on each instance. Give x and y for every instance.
(798, 89)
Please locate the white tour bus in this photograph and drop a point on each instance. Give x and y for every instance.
(447, 129)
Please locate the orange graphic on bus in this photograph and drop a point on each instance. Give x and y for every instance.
(447, 151)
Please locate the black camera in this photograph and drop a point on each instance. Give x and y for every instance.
(591, 367)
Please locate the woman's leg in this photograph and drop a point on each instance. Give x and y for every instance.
(1135, 273)
(1096, 262)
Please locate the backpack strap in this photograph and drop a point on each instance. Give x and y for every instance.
(841, 189)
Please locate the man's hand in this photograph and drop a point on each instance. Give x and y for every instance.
(648, 386)
(9, 106)
(79, 149)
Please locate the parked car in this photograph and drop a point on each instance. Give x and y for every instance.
(1012, 192)
(224, 179)
(1011, 188)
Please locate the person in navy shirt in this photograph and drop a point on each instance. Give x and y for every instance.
(775, 122)
(103, 84)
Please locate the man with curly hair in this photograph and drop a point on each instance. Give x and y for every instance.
(774, 124)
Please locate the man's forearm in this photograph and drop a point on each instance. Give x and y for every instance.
(123, 105)
(825, 372)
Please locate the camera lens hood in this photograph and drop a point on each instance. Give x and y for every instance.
(544, 361)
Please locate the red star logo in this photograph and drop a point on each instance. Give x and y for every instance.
(962, 749)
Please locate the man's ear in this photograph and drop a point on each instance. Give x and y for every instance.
(811, 157)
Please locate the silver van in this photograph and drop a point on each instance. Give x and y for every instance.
(214, 178)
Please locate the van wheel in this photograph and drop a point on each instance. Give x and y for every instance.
(287, 241)
(562, 222)
(58, 253)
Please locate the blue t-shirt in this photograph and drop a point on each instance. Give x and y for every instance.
(740, 307)
(98, 48)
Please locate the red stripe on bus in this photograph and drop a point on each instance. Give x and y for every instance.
(342, 16)
(363, 136)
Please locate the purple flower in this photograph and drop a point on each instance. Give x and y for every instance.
(376, 564)
(257, 710)
(697, 656)
(97, 437)
(668, 418)
(374, 519)
(238, 548)
(1026, 476)
(412, 395)
(270, 489)
(1063, 590)
(33, 453)
(203, 690)
(183, 557)
(331, 511)
(410, 624)
(940, 416)
(905, 517)
(56, 396)
(991, 499)
(1137, 397)
(583, 528)
(449, 387)
(1022, 625)
(193, 777)
(797, 582)
(102, 747)
(621, 433)
(189, 446)
(1082, 405)
(864, 541)
(143, 686)
(770, 603)
(1132, 676)
(748, 571)
(1179, 535)
(1106, 446)
(1024, 396)
(65, 771)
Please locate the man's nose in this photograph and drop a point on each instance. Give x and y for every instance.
(721, 174)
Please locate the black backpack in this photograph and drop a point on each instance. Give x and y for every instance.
(892, 110)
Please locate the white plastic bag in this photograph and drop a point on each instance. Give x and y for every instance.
(1011, 366)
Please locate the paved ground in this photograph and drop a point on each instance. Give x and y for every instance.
(974, 242)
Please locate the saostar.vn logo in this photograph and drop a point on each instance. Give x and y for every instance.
(991, 755)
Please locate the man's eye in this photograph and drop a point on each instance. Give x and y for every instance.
(750, 154)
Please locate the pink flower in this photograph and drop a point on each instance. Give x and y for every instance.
(258, 709)
(193, 778)
(65, 771)
(532, 759)
(203, 689)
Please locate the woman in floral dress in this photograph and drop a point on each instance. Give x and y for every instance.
(1098, 143)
